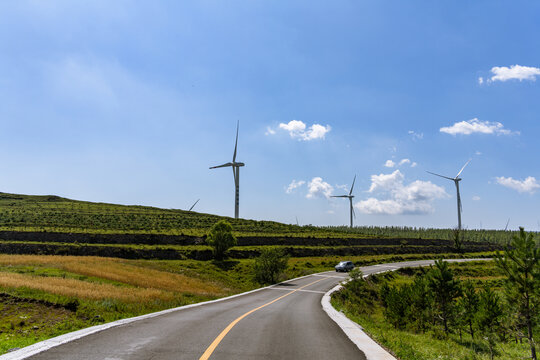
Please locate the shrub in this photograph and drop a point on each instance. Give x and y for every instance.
(269, 265)
(221, 238)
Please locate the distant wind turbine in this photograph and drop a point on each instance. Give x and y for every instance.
(456, 181)
(350, 197)
(236, 173)
(192, 206)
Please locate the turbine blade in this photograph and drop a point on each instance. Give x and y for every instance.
(464, 166)
(353, 213)
(236, 142)
(446, 177)
(220, 166)
(192, 206)
(352, 187)
(340, 196)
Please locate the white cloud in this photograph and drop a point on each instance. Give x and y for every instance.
(298, 130)
(293, 185)
(415, 135)
(385, 181)
(404, 161)
(269, 131)
(319, 188)
(477, 126)
(480, 80)
(414, 164)
(389, 164)
(517, 72)
(529, 185)
(414, 198)
(476, 198)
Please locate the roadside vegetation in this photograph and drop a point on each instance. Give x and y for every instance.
(478, 310)
(42, 296)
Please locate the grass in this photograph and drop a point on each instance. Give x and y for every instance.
(407, 345)
(31, 213)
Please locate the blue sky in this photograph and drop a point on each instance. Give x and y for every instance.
(131, 102)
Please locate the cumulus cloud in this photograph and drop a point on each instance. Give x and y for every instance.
(476, 198)
(298, 130)
(391, 163)
(480, 80)
(477, 126)
(514, 72)
(413, 198)
(319, 188)
(293, 185)
(529, 185)
(269, 131)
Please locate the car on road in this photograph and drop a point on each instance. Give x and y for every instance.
(344, 266)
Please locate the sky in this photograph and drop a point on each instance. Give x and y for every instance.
(131, 102)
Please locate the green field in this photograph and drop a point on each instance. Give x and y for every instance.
(56, 214)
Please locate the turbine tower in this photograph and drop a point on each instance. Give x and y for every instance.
(456, 181)
(236, 173)
(350, 197)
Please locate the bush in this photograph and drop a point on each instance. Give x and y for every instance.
(221, 238)
(269, 265)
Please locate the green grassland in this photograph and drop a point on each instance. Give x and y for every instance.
(411, 345)
(50, 213)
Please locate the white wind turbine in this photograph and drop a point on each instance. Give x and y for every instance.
(456, 181)
(350, 197)
(236, 172)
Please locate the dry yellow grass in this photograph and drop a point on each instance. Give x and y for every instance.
(117, 270)
(83, 289)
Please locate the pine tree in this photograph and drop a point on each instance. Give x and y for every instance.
(521, 264)
(445, 290)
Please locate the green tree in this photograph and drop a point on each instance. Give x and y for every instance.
(221, 238)
(269, 265)
(445, 290)
(421, 301)
(489, 316)
(469, 305)
(521, 264)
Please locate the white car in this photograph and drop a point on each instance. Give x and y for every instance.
(344, 266)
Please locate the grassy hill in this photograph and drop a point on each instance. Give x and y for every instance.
(56, 214)
(49, 213)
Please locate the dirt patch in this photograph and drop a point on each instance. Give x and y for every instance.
(27, 316)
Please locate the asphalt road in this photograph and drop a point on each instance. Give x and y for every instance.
(285, 321)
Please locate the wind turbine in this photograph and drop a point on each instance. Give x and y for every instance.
(350, 197)
(456, 181)
(236, 173)
(192, 206)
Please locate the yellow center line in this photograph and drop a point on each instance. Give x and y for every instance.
(220, 337)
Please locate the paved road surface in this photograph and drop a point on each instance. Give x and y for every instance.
(285, 321)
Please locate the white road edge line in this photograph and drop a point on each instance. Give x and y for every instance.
(45, 345)
(41, 346)
(354, 332)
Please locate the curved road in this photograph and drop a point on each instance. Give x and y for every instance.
(284, 321)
